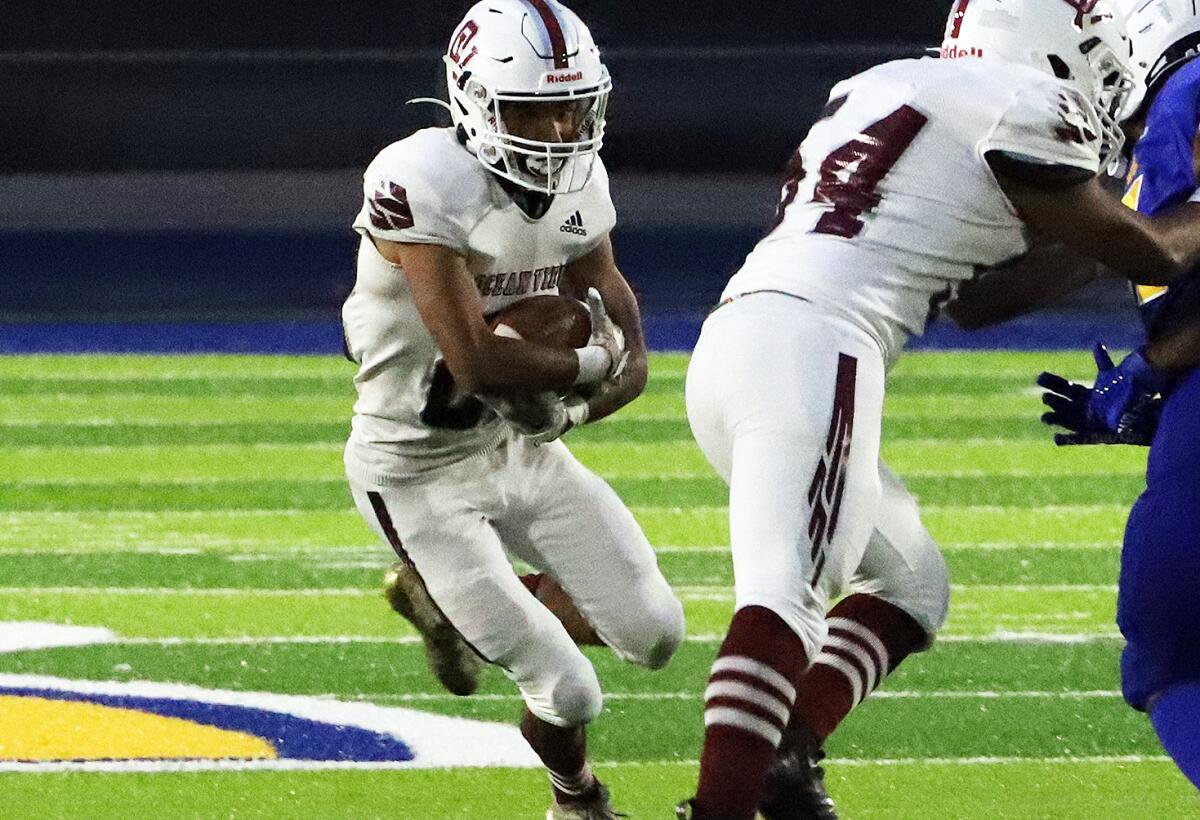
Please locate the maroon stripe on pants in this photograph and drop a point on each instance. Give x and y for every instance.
(558, 43)
(829, 479)
(389, 529)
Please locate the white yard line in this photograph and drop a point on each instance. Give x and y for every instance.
(150, 766)
(685, 592)
(923, 761)
(417, 697)
(218, 548)
(998, 636)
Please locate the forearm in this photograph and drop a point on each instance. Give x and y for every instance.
(598, 270)
(1178, 234)
(612, 396)
(496, 365)
(1090, 221)
(1045, 274)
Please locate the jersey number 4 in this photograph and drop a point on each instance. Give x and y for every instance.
(851, 174)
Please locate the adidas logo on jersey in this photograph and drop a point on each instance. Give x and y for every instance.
(574, 225)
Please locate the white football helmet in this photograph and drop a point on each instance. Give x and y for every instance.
(1081, 41)
(527, 51)
(1165, 33)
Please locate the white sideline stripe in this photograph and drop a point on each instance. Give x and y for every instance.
(420, 697)
(650, 509)
(332, 592)
(253, 640)
(922, 761)
(218, 548)
(608, 475)
(704, 638)
(687, 593)
(156, 449)
(1007, 636)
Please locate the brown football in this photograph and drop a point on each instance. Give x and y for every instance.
(553, 321)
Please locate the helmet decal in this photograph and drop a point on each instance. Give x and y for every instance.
(554, 32)
(957, 16)
(462, 38)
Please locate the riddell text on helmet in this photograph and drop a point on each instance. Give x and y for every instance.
(954, 52)
(571, 77)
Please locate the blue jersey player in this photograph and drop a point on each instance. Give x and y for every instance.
(1153, 397)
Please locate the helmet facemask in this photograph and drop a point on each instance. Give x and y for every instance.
(506, 60)
(540, 165)
(1113, 85)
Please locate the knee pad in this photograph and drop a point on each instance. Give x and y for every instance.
(567, 694)
(662, 634)
(910, 574)
(648, 627)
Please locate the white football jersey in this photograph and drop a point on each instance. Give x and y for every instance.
(890, 202)
(428, 189)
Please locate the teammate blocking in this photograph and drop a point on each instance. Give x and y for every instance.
(458, 223)
(918, 174)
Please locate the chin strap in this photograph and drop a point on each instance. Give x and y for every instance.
(429, 100)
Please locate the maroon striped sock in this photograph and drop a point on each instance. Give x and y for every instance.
(749, 696)
(868, 638)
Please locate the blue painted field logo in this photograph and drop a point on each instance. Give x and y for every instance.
(55, 724)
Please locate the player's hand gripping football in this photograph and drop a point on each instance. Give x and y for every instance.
(542, 417)
(606, 334)
(1122, 407)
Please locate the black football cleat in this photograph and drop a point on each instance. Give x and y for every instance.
(454, 663)
(795, 788)
(683, 811)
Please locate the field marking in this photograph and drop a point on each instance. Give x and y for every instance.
(996, 636)
(438, 741)
(952, 694)
(685, 592)
(152, 766)
(717, 594)
(217, 548)
(644, 509)
(607, 475)
(1105, 760)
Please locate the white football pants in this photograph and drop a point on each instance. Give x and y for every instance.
(460, 524)
(786, 402)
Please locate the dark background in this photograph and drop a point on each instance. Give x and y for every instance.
(203, 160)
(319, 85)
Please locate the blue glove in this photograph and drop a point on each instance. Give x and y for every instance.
(1118, 389)
(1122, 407)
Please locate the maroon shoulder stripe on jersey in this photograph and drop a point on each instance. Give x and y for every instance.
(558, 43)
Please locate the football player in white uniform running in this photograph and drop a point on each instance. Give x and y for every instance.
(917, 174)
(459, 223)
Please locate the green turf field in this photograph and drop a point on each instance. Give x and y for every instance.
(195, 507)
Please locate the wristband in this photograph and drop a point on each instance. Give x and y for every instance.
(577, 410)
(594, 364)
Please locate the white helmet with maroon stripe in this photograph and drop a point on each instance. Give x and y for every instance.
(1081, 41)
(527, 51)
